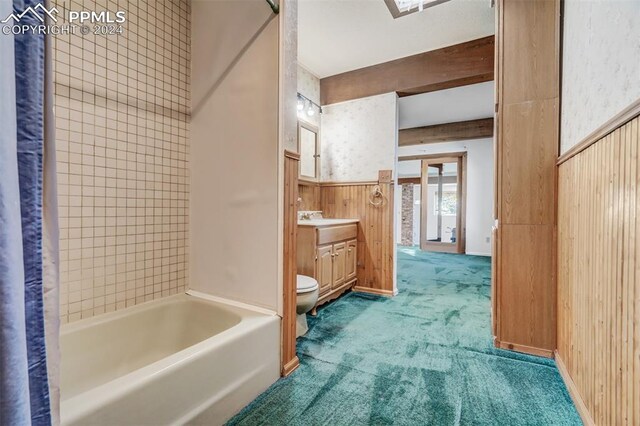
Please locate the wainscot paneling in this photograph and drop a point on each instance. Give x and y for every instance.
(599, 277)
(375, 230)
(289, 358)
(309, 196)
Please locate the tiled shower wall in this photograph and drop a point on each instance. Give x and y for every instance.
(122, 131)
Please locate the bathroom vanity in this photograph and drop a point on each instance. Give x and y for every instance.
(327, 251)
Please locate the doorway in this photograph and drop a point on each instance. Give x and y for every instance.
(438, 197)
(442, 204)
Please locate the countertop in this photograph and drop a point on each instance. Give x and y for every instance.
(326, 222)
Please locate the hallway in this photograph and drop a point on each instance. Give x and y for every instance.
(422, 357)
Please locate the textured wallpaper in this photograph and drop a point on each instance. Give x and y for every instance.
(359, 138)
(309, 86)
(601, 64)
(289, 53)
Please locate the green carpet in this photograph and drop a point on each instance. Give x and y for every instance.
(424, 357)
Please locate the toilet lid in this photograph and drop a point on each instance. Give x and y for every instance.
(306, 284)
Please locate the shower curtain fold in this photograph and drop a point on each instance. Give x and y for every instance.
(24, 377)
(15, 407)
(50, 239)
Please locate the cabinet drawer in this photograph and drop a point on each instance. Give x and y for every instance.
(337, 233)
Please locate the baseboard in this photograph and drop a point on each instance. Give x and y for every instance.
(290, 367)
(573, 391)
(530, 350)
(376, 291)
(476, 253)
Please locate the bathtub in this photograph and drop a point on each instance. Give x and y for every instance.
(181, 359)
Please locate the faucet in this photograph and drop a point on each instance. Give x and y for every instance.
(309, 214)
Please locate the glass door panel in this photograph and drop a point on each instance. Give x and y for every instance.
(441, 204)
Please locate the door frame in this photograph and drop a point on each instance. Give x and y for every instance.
(461, 206)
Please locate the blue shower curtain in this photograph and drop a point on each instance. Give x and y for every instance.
(24, 382)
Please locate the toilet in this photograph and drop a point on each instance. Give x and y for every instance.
(307, 296)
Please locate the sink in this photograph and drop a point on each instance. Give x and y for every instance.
(325, 222)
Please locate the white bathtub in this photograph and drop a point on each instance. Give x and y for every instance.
(181, 359)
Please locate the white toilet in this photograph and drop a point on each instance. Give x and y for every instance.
(307, 289)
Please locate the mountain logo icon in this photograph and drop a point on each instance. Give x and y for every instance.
(51, 13)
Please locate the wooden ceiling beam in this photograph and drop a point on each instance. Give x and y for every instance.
(453, 66)
(432, 180)
(444, 157)
(459, 131)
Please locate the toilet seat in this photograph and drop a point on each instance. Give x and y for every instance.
(306, 284)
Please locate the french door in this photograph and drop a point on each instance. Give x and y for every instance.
(442, 203)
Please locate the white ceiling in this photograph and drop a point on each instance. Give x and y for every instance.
(336, 36)
(470, 102)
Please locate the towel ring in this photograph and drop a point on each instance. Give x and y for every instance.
(376, 197)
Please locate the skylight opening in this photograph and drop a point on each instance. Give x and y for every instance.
(400, 8)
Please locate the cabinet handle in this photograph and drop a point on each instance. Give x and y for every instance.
(349, 250)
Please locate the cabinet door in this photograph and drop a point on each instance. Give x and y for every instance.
(352, 259)
(324, 268)
(339, 264)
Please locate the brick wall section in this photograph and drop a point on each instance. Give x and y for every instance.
(406, 238)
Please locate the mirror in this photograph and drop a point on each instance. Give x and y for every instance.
(308, 148)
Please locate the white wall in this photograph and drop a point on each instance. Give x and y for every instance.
(480, 188)
(470, 102)
(359, 138)
(235, 152)
(600, 64)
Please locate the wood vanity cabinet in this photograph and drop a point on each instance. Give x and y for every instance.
(324, 268)
(328, 254)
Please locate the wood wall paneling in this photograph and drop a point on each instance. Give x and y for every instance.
(599, 277)
(289, 358)
(530, 50)
(375, 230)
(309, 197)
(527, 271)
(527, 88)
(529, 152)
(465, 63)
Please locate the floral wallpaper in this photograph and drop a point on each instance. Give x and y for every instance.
(359, 138)
(309, 86)
(289, 24)
(601, 69)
